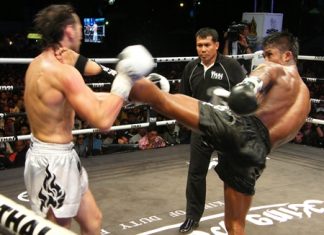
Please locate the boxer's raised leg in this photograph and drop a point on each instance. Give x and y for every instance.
(176, 106)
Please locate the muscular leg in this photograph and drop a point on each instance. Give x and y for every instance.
(175, 106)
(89, 216)
(64, 222)
(236, 208)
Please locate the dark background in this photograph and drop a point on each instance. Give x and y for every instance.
(165, 28)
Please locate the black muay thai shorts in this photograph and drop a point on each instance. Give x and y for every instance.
(242, 143)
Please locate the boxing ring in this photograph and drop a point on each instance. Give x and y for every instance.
(143, 192)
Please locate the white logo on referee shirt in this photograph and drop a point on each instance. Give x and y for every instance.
(218, 76)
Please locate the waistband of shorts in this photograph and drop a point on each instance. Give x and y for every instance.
(40, 145)
(265, 131)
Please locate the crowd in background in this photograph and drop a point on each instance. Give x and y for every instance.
(12, 154)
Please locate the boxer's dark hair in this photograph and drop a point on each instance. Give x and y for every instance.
(284, 41)
(206, 32)
(51, 21)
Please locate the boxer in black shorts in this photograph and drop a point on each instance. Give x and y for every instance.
(243, 144)
(270, 107)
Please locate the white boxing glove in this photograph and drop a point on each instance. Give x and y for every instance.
(122, 85)
(159, 81)
(135, 61)
(219, 96)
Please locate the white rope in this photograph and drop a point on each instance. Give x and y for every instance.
(121, 127)
(99, 84)
(243, 56)
(175, 59)
(315, 121)
(92, 130)
(17, 219)
(316, 101)
(15, 60)
(158, 59)
(309, 57)
(6, 88)
(105, 60)
(308, 79)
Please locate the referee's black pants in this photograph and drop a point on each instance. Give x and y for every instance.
(200, 155)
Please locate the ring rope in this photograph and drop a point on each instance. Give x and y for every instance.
(158, 59)
(316, 101)
(93, 85)
(315, 121)
(29, 222)
(102, 84)
(7, 115)
(92, 130)
(99, 84)
(122, 127)
(126, 107)
(10, 88)
(314, 80)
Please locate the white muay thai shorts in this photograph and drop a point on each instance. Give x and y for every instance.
(54, 178)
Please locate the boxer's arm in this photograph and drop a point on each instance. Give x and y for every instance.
(268, 72)
(104, 107)
(91, 68)
(85, 66)
(243, 97)
(102, 95)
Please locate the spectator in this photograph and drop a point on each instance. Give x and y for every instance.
(151, 140)
(299, 138)
(135, 138)
(24, 129)
(80, 147)
(5, 151)
(319, 128)
(171, 134)
(123, 135)
(18, 157)
(309, 134)
(9, 126)
(237, 43)
(3, 98)
(109, 138)
(94, 143)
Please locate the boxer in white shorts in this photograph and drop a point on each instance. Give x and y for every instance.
(54, 93)
(54, 178)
